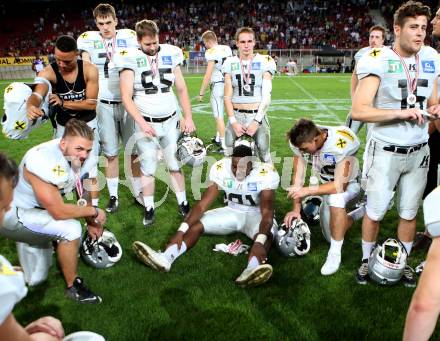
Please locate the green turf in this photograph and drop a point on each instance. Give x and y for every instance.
(198, 298)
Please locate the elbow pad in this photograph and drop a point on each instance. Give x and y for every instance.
(266, 90)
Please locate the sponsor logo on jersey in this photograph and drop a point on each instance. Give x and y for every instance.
(20, 125)
(263, 172)
(166, 60)
(252, 186)
(234, 66)
(345, 134)
(9, 89)
(428, 66)
(121, 43)
(228, 183)
(84, 35)
(256, 66)
(341, 143)
(98, 44)
(375, 53)
(394, 66)
(142, 61)
(5, 270)
(329, 158)
(58, 170)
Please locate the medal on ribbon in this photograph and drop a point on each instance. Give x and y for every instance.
(247, 78)
(80, 191)
(411, 99)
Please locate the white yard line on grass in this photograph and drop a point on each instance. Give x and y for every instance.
(317, 102)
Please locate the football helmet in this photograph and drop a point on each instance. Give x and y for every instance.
(101, 253)
(190, 150)
(310, 207)
(387, 262)
(15, 124)
(245, 140)
(295, 240)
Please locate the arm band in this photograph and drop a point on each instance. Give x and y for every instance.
(261, 238)
(232, 119)
(183, 227)
(266, 89)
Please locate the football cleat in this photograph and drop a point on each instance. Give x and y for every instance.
(362, 272)
(420, 268)
(256, 276)
(81, 294)
(153, 259)
(408, 277)
(148, 217)
(184, 208)
(112, 205)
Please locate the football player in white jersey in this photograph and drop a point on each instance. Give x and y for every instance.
(376, 39)
(99, 47)
(250, 191)
(147, 76)
(12, 284)
(15, 123)
(424, 309)
(215, 55)
(397, 90)
(248, 87)
(332, 155)
(39, 214)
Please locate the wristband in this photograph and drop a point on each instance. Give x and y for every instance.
(38, 95)
(261, 238)
(232, 120)
(183, 227)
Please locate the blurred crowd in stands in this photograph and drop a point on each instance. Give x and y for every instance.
(279, 24)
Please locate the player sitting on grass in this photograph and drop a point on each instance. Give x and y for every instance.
(250, 190)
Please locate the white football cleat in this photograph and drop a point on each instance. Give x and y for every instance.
(331, 264)
(153, 259)
(256, 276)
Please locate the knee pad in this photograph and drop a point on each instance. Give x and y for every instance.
(35, 261)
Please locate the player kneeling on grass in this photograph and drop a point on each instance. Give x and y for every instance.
(331, 151)
(250, 190)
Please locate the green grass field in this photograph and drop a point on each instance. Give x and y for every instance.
(198, 298)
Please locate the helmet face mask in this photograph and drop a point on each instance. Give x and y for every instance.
(387, 262)
(310, 208)
(101, 253)
(245, 140)
(190, 150)
(295, 240)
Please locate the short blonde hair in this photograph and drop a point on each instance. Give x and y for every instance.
(79, 128)
(244, 29)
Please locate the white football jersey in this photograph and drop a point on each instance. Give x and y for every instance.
(244, 195)
(393, 91)
(361, 53)
(260, 64)
(341, 142)
(47, 162)
(218, 55)
(153, 93)
(12, 288)
(15, 124)
(101, 53)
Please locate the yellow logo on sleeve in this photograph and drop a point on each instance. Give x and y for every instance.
(375, 53)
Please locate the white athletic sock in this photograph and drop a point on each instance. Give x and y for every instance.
(173, 252)
(222, 141)
(95, 202)
(217, 137)
(367, 247)
(408, 246)
(137, 184)
(149, 201)
(181, 197)
(253, 263)
(335, 246)
(112, 184)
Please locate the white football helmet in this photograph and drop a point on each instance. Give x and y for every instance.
(84, 336)
(387, 262)
(15, 124)
(190, 150)
(245, 140)
(293, 241)
(310, 209)
(101, 253)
